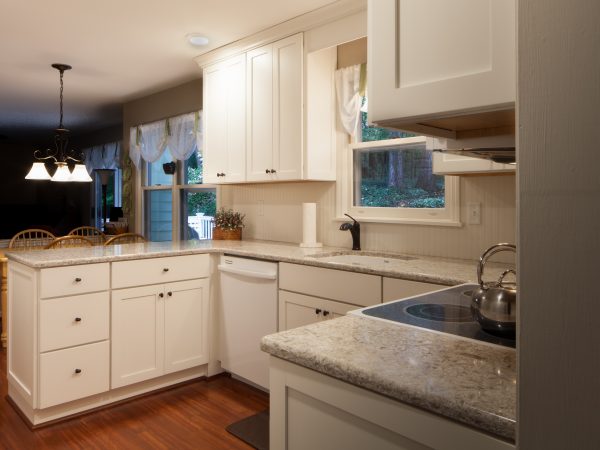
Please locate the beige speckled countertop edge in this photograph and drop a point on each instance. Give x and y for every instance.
(425, 269)
(292, 346)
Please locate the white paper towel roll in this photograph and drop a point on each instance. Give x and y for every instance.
(309, 225)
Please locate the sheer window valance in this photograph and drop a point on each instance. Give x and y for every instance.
(105, 156)
(182, 135)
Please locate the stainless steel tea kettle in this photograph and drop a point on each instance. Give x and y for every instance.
(494, 304)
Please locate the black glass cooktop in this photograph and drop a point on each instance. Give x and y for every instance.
(447, 311)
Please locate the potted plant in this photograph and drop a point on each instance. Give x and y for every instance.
(228, 224)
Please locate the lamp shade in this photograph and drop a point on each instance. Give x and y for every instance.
(38, 172)
(62, 173)
(80, 174)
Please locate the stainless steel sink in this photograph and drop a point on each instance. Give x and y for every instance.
(362, 258)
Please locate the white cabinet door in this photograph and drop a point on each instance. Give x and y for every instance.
(235, 169)
(137, 349)
(224, 115)
(186, 324)
(435, 58)
(287, 109)
(297, 310)
(259, 120)
(274, 111)
(214, 116)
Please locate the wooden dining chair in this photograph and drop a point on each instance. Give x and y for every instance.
(91, 233)
(126, 238)
(31, 239)
(70, 241)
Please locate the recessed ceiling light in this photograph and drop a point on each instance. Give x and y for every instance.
(197, 40)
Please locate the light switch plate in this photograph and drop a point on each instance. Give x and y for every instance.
(474, 213)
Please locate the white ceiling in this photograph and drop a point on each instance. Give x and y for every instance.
(119, 49)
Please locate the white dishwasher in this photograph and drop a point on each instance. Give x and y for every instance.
(248, 311)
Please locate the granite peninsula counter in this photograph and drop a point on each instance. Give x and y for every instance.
(466, 381)
(422, 268)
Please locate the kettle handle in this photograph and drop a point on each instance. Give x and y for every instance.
(487, 254)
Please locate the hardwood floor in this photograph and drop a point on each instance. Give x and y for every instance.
(193, 416)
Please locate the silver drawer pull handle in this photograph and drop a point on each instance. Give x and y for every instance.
(77, 280)
(77, 370)
(77, 319)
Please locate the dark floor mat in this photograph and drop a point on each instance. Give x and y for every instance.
(253, 430)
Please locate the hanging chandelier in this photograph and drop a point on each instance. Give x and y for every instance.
(59, 154)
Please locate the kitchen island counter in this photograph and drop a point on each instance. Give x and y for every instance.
(460, 379)
(426, 269)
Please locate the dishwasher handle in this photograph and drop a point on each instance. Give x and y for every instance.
(248, 273)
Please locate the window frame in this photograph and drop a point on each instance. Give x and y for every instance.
(96, 195)
(448, 216)
(176, 187)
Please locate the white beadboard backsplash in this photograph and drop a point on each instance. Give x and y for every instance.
(274, 212)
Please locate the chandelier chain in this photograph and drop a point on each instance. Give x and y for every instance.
(61, 99)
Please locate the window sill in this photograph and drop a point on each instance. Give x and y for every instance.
(404, 221)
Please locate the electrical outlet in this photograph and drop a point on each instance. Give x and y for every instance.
(474, 213)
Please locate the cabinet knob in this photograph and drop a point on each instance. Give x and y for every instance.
(222, 174)
(273, 171)
(166, 269)
(77, 370)
(325, 313)
(170, 294)
(161, 295)
(77, 280)
(317, 311)
(267, 171)
(77, 319)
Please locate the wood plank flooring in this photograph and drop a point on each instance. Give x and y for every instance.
(192, 416)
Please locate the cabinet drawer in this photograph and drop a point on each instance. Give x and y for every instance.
(140, 272)
(394, 289)
(297, 310)
(349, 287)
(70, 321)
(73, 280)
(59, 380)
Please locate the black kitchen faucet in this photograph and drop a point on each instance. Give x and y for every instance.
(354, 231)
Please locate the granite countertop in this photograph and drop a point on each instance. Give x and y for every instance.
(466, 381)
(421, 268)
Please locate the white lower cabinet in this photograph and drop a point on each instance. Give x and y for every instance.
(309, 410)
(186, 325)
(158, 329)
(77, 342)
(297, 310)
(311, 294)
(73, 373)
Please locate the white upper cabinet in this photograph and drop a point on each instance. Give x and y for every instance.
(287, 108)
(274, 111)
(280, 142)
(431, 61)
(259, 117)
(224, 115)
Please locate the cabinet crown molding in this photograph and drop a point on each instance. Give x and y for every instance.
(305, 22)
